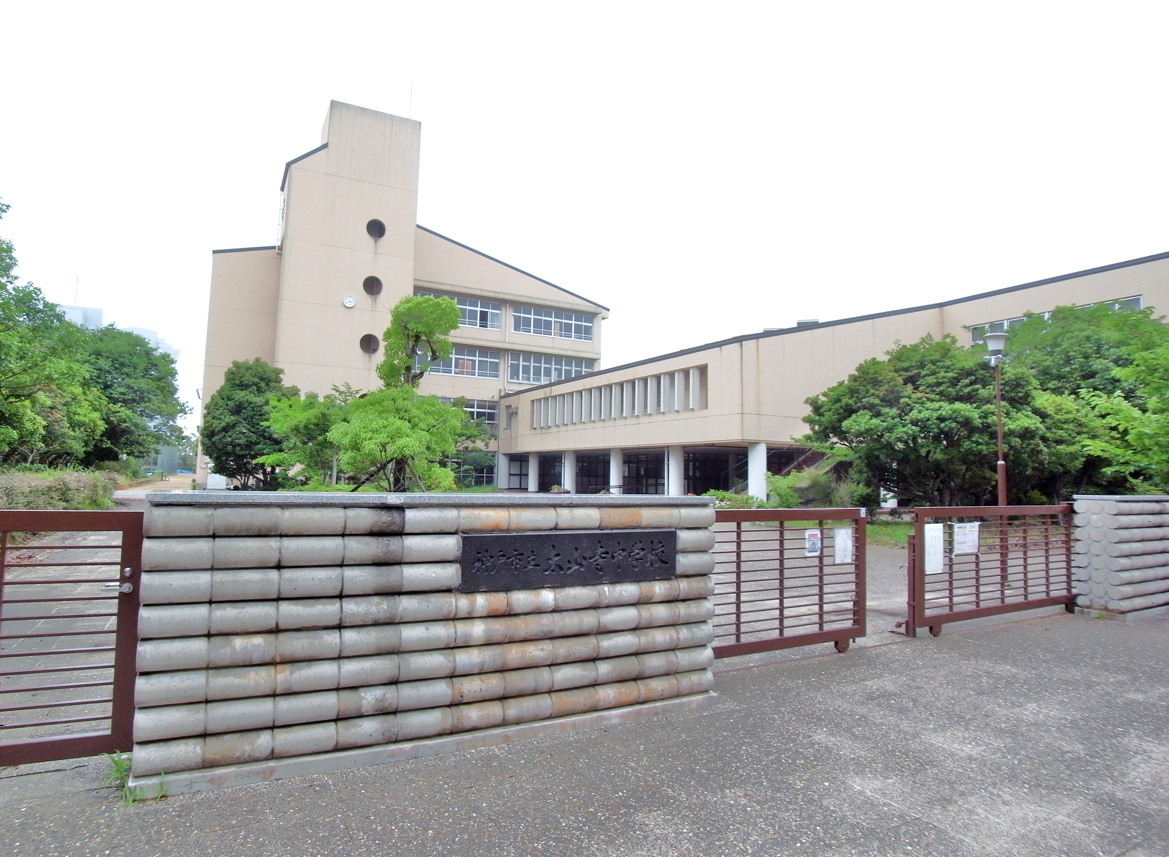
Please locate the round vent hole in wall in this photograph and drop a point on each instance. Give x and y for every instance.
(372, 286)
(370, 344)
(376, 229)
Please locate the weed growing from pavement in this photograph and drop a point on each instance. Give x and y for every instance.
(119, 777)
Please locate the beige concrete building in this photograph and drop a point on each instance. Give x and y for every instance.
(528, 353)
(726, 413)
(316, 304)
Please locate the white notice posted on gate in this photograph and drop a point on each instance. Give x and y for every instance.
(935, 548)
(842, 550)
(965, 538)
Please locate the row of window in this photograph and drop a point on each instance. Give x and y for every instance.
(522, 367)
(476, 312)
(978, 331)
(526, 368)
(479, 409)
(552, 322)
(666, 393)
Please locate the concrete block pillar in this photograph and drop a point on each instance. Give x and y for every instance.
(757, 470)
(675, 471)
(533, 471)
(501, 470)
(616, 470)
(568, 470)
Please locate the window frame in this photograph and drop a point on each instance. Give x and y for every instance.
(553, 367)
(477, 358)
(559, 324)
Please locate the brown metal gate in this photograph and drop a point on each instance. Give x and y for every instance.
(68, 633)
(788, 577)
(966, 562)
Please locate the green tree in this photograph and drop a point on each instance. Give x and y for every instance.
(920, 424)
(7, 256)
(140, 388)
(48, 413)
(1079, 348)
(1137, 445)
(188, 451)
(235, 428)
(399, 440)
(418, 336)
(303, 425)
(394, 437)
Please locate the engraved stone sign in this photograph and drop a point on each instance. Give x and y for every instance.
(499, 561)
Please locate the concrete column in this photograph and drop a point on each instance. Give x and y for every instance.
(568, 470)
(757, 470)
(616, 470)
(533, 471)
(675, 471)
(501, 470)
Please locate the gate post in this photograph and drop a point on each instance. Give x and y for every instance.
(913, 591)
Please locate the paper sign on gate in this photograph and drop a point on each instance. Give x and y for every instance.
(813, 542)
(934, 548)
(965, 538)
(842, 552)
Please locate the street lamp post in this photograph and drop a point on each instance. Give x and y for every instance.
(994, 346)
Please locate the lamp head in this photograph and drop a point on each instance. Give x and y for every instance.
(994, 343)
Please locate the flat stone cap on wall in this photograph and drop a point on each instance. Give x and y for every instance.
(1132, 498)
(419, 500)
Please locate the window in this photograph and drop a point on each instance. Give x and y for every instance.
(592, 473)
(551, 322)
(473, 312)
(978, 331)
(475, 362)
(645, 473)
(517, 472)
(478, 409)
(476, 313)
(526, 368)
(1126, 303)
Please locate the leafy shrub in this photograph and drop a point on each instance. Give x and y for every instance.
(60, 489)
(730, 500)
(781, 490)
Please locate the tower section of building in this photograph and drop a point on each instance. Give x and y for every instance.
(317, 303)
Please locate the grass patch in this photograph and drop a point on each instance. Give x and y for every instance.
(888, 534)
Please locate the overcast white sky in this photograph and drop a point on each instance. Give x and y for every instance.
(703, 170)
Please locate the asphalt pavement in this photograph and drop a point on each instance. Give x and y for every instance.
(1038, 734)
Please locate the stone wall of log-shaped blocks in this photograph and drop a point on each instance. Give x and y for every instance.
(278, 627)
(1120, 560)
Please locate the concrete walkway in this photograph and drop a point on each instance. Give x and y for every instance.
(1046, 735)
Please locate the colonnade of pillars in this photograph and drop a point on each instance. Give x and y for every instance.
(675, 471)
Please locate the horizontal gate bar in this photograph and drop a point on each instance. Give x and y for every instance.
(69, 703)
(43, 687)
(62, 722)
(98, 633)
(63, 599)
(40, 654)
(50, 616)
